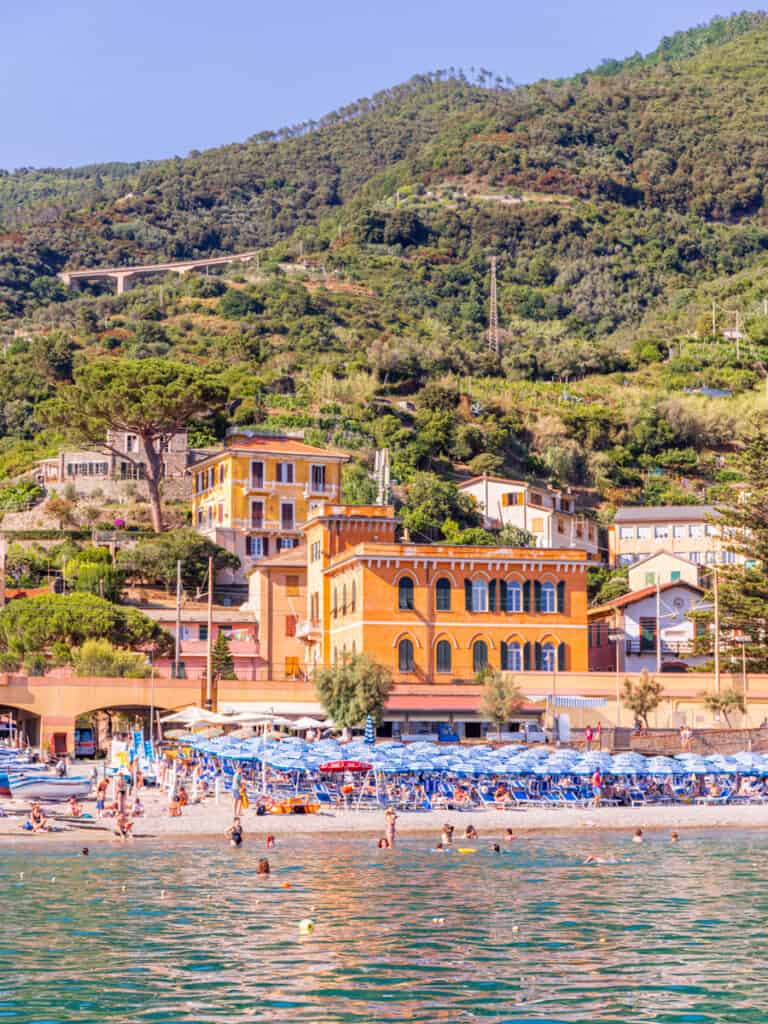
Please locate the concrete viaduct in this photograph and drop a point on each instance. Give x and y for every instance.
(122, 275)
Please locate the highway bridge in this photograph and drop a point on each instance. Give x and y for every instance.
(122, 275)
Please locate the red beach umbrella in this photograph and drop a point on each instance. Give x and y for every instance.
(331, 767)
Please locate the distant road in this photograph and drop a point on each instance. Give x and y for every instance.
(123, 274)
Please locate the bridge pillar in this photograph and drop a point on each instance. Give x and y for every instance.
(120, 280)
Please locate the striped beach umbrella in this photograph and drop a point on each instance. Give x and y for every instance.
(370, 731)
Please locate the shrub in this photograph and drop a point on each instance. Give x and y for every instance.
(101, 658)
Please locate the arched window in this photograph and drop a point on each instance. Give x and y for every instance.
(344, 599)
(514, 597)
(443, 656)
(354, 595)
(548, 597)
(405, 594)
(512, 657)
(479, 596)
(548, 657)
(479, 656)
(443, 595)
(405, 656)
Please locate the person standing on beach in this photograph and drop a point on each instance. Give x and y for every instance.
(588, 737)
(390, 819)
(237, 793)
(122, 794)
(597, 787)
(101, 795)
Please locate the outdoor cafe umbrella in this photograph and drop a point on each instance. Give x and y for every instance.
(370, 732)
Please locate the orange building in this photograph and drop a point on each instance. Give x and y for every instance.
(277, 590)
(438, 612)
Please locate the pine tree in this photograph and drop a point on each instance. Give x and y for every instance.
(743, 589)
(221, 658)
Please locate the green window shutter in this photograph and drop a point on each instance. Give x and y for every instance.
(675, 576)
(536, 596)
(526, 656)
(468, 595)
(503, 656)
(492, 596)
(561, 596)
(561, 658)
(527, 596)
(502, 595)
(537, 656)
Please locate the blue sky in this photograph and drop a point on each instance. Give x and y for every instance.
(84, 81)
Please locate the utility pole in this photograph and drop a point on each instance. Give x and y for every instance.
(716, 593)
(493, 312)
(658, 625)
(177, 651)
(714, 319)
(209, 643)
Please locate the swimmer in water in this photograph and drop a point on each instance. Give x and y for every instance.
(638, 836)
(510, 836)
(600, 860)
(383, 843)
(85, 851)
(470, 832)
(674, 837)
(495, 848)
(235, 833)
(270, 842)
(262, 868)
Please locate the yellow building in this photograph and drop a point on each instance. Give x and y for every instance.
(254, 496)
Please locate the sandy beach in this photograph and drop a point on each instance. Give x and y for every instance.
(210, 821)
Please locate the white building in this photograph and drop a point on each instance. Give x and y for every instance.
(548, 514)
(651, 627)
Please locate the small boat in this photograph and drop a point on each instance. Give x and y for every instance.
(20, 770)
(48, 787)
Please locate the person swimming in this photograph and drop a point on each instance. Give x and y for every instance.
(510, 836)
(383, 843)
(235, 833)
(470, 832)
(674, 837)
(495, 848)
(638, 836)
(262, 868)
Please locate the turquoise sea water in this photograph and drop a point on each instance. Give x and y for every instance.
(669, 934)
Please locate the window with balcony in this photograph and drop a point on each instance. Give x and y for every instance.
(443, 595)
(405, 662)
(284, 472)
(317, 479)
(443, 656)
(479, 656)
(257, 515)
(647, 634)
(257, 475)
(287, 521)
(202, 632)
(405, 599)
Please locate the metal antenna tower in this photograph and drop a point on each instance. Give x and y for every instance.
(493, 312)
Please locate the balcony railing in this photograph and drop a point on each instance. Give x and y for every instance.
(268, 525)
(308, 630)
(678, 648)
(320, 490)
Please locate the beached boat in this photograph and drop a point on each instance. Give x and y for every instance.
(48, 787)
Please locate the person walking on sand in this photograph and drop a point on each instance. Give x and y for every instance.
(390, 820)
(101, 796)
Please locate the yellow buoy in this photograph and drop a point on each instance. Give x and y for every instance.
(306, 926)
(466, 849)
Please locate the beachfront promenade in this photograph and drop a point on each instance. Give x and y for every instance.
(51, 703)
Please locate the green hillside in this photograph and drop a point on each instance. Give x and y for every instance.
(623, 205)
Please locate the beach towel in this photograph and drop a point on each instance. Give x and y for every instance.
(244, 799)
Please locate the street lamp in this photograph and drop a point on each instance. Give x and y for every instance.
(616, 636)
(743, 640)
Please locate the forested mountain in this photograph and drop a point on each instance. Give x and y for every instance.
(627, 210)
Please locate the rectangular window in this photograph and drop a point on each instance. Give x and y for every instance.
(314, 607)
(512, 498)
(625, 560)
(257, 475)
(696, 530)
(199, 517)
(729, 557)
(257, 515)
(679, 532)
(292, 586)
(710, 530)
(202, 632)
(220, 512)
(674, 575)
(315, 551)
(643, 533)
(626, 533)
(290, 625)
(561, 526)
(317, 479)
(291, 668)
(650, 579)
(537, 525)
(661, 532)
(284, 472)
(185, 632)
(710, 558)
(222, 473)
(131, 444)
(479, 596)
(695, 556)
(286, 543)
(647, 634)
(286, 515)
(256, 547)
